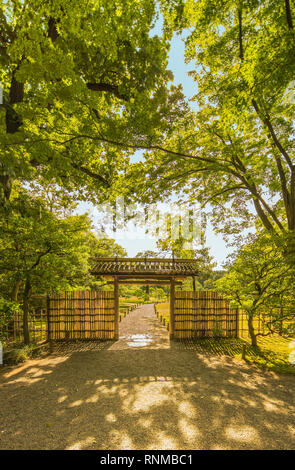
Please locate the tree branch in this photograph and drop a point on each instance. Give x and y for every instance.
(113, 89)
(90, 173)
(121, 144)
(265, 119)
(52, 29)
(225, 190)
(240, 34)
(182, 175)
(40, 256)
(241, 172)
(268, 124)
(289, 14)
(267, 224)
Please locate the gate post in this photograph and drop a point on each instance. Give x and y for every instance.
(237, 323)
(172, 312)
(116, 305)
(48, 323)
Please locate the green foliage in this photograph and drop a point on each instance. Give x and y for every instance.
(206, 263)
(148, 254)
(45, 248)
(7, 310)
(138, 293)
(38, 245)
(75, 104)
(158, 293)
(104, 247)
(51, 250)
(128, 291)
(21, 353)
(260, 281)
(217, 329)
(236, 152)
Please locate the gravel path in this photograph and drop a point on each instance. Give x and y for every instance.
(142, 392)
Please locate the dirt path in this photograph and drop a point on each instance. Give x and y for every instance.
(142, 329)
(143, 393)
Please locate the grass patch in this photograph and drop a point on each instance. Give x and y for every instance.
(163, 313)
(274, 354)
(21, 352)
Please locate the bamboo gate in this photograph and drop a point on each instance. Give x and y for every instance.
(192, 314)
(94, 315)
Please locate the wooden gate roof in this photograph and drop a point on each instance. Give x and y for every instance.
(145, 266)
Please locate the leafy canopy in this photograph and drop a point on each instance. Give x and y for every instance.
(260, 282)
(84, 86)
(237, 151)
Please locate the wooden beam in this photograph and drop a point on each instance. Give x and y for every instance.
(48, 322)
(172, 302)
(132, 274)
(146, 282)
(147, 260)
(144, 276)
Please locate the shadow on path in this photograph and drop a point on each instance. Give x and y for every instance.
(144, 397)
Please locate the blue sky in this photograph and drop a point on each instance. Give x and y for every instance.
(180, 70)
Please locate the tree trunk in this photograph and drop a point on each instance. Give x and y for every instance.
(252, 331)
(26, 297)
(289, 252)
(15, 290)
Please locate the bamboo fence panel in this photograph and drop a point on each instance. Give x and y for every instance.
(13, 331)
(82, 315)
(93, 313)
(203, 314)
